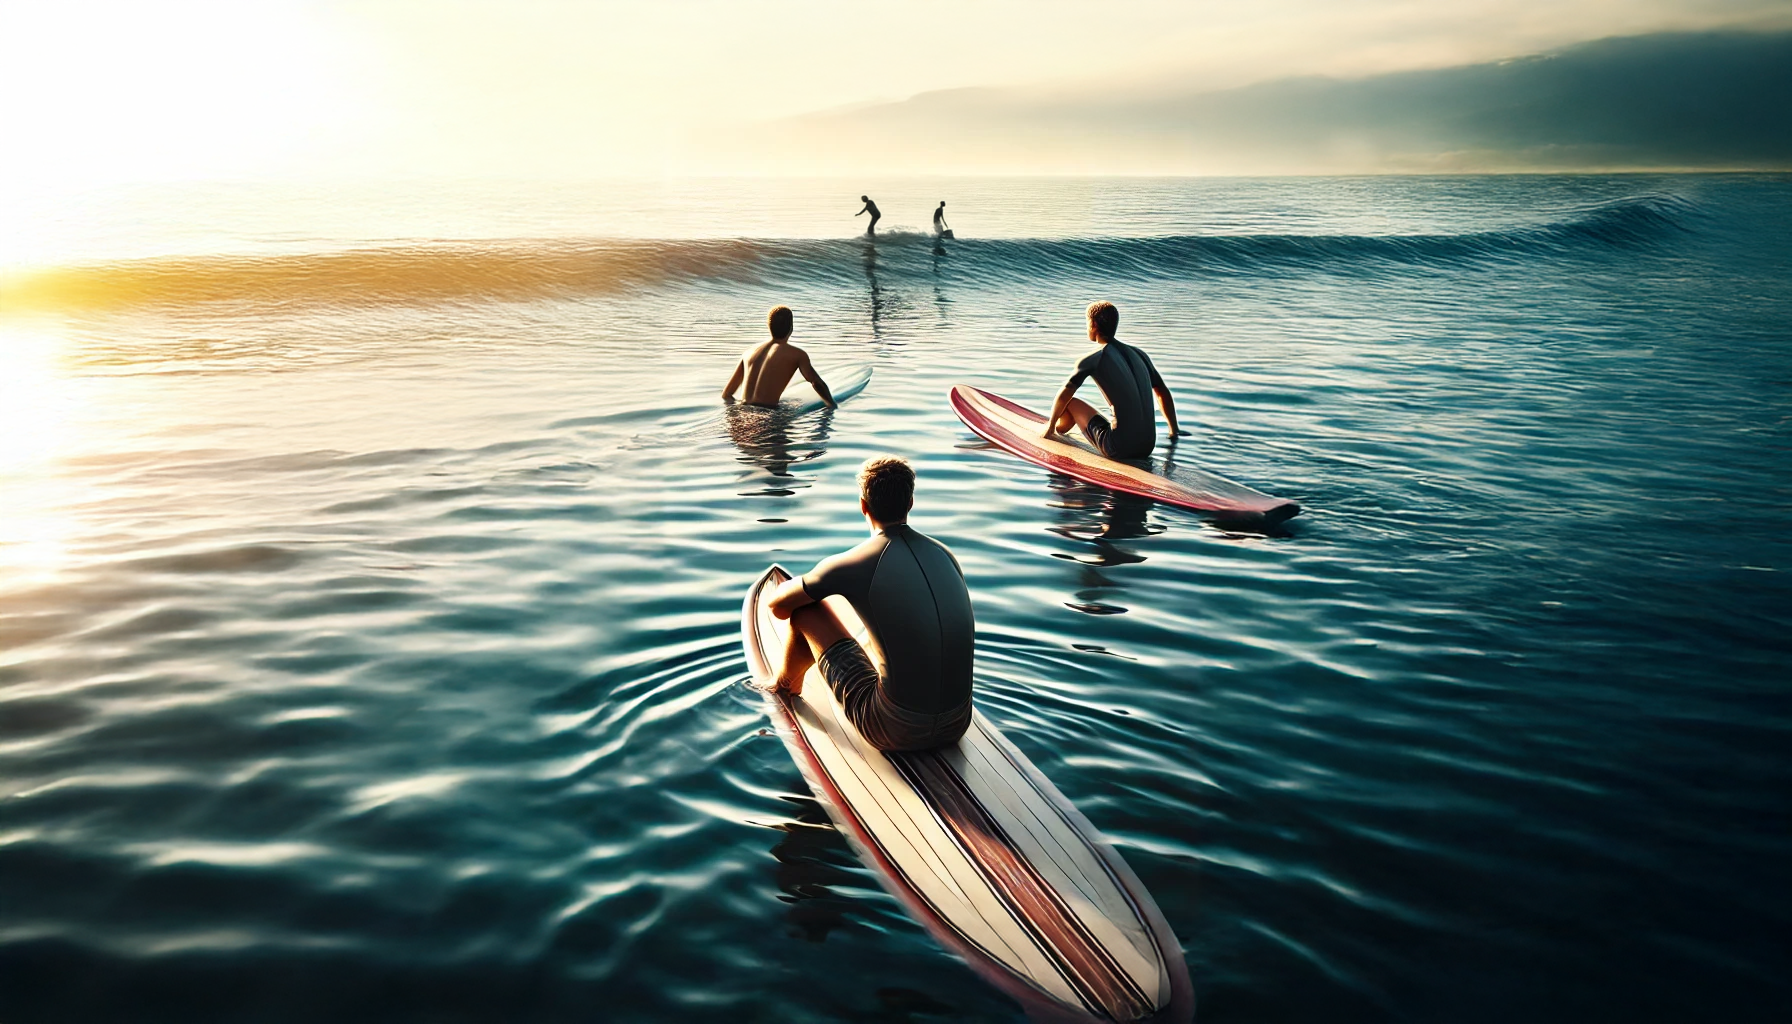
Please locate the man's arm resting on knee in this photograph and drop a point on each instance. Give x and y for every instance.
(789, 597)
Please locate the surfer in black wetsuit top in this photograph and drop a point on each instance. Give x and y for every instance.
(1127, 379)
(871, 208)
(939, 220)
(912, 690)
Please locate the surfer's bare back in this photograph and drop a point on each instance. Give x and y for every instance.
(769, 365)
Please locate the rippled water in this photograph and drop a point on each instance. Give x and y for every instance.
(369, 598)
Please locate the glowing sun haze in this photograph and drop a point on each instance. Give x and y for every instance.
(127, 92)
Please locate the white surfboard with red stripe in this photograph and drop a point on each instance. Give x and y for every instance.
(984, 851)
(1016, 429)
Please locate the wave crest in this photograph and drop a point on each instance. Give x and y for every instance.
(536, 269)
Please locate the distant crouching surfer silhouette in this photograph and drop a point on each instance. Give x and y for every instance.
(871, 208)
(940, 227)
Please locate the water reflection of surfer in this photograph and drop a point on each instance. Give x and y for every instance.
(807, 857)
(877, 296)
(772, 441)
(871, 208)
(1098, 515)
(940, 228)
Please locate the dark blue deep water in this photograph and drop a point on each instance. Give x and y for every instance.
(369, 603)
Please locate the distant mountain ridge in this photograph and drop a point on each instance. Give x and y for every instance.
(1716, 100)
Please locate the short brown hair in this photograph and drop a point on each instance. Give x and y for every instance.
(780, 321)
(887, 485)
(1106, 318)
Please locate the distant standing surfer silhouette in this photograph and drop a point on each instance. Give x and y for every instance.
(871, 208)
(940, 227)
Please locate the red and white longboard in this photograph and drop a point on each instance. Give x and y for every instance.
(1015, 429)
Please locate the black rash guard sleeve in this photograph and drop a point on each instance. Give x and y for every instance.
(1084, 368)
(847, 573)
(1157, 381)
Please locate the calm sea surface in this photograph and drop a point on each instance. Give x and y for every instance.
(371, 565)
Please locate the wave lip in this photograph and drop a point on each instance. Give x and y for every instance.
(523, 270)
(1637, 221)
(426, 272)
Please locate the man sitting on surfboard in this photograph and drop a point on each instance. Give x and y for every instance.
(910, 593)
(767, 366)
(1127, 379)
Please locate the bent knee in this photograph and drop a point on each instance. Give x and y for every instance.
(819, 624)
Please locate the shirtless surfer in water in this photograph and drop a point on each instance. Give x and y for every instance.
(768, 366)
(1127, 379)
(912, 690)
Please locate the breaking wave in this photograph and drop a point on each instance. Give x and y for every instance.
(521, 270)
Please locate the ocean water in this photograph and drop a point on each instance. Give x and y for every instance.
(371, 563)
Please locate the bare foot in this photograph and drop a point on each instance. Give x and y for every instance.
(794, 687)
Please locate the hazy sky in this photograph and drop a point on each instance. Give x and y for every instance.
(118, 92)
